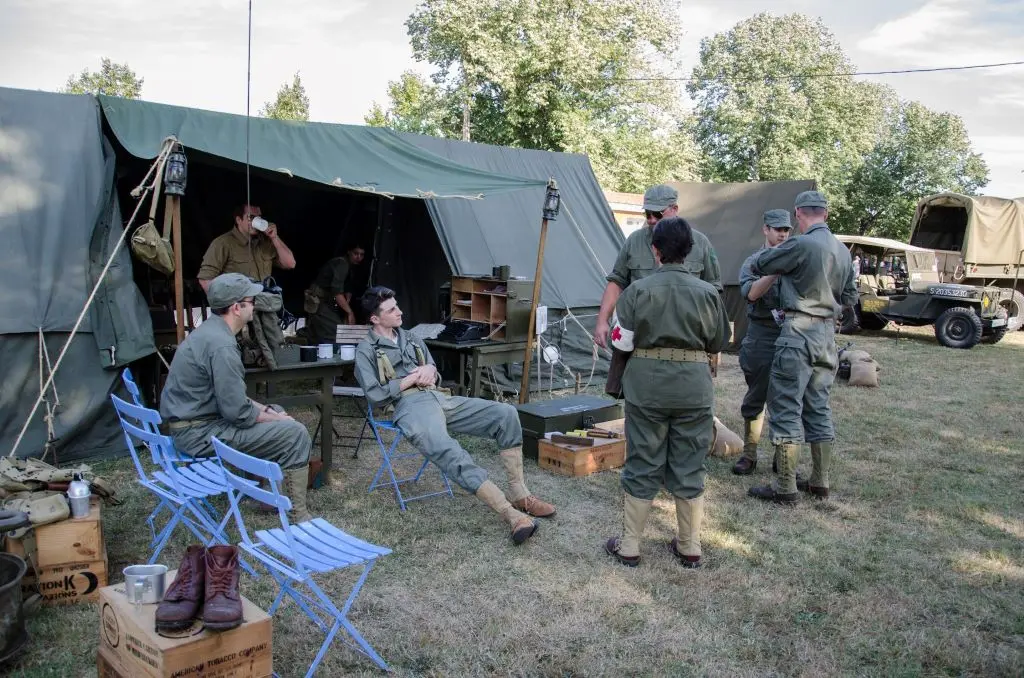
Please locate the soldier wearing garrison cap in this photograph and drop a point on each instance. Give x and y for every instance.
(764, 322)
(205, 394)
(636, 261)
(816, 279)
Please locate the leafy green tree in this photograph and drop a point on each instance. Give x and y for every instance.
(417, 106)
(114, 79)
(561, 75)
(920, 152)
(760, 117)
(291, 102)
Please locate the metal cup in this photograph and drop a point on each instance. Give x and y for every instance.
(144, 584)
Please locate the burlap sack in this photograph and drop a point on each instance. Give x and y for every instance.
(856, 356)
(727, 443)
(864, 374)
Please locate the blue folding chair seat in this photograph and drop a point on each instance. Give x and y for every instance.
(182, 488)
(292, 553)
(201, 474)
(390, 455)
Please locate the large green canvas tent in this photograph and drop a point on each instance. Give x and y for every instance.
(325, 185)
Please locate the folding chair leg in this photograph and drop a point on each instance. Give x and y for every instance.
(341, 617)
(165, 533)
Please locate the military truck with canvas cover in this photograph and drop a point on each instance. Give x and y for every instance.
(900, 283)
(979, 241)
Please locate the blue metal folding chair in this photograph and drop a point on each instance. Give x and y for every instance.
(389, 455)
(293, 553)
(208, 469)
(181, 487)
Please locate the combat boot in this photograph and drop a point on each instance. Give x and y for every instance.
(626, 549)
(184, 598)
(222, 606)
(784, 492)
(689, 516)
(821, 459)
(520, 525)
(294, 486)
(519, 495)
(746, 464)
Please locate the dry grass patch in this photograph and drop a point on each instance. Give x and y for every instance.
(914, 568)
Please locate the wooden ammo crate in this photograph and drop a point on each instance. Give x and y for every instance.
(67, 583)
(73, 540)
(576, 460)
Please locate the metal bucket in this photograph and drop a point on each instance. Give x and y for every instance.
(12, 621)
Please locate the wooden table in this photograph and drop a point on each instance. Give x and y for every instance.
(289, 368)
(483, 354)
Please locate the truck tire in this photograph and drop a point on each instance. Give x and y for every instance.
(1014, 311)
(996, 335)
(958, 327)
(872, 321)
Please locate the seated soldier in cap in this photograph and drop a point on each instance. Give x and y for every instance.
(205, 395)
(395, 369)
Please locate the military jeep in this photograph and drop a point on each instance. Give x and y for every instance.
(899, 283)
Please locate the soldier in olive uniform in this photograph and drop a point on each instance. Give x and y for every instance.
(758, 348)
(245, 250)
(817, 279)
(669, 321)
(635, 260)
(335, 296)
(395, 369)
(205, 394)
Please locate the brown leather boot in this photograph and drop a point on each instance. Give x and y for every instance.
(222, 609)
(184, 598)
(520, 525)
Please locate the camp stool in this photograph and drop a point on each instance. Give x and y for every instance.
(208, 470)
(389, 455)
(179, 486)
(293, 553)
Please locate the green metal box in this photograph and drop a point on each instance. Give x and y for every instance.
(563, 414)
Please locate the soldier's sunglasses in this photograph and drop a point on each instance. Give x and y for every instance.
(656, 215)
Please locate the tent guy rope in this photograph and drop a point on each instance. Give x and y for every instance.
(140, 191)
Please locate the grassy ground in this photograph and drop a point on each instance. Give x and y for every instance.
(914, 568)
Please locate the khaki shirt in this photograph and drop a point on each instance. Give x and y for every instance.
(762, 308)
(207, 378)
(402, 355)
(232, 252)
(815, 270)
(636, 260)
(672, 309)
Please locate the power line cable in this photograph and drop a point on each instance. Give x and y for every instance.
(770, 76)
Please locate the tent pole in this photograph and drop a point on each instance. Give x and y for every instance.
(179, 284)
(524, 387)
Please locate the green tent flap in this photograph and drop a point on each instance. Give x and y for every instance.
(352, 157)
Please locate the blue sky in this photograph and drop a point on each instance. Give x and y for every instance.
(347, 50)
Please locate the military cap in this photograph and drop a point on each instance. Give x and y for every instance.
(659, 198)
(811, 199)
(777, 219)
(230, 288)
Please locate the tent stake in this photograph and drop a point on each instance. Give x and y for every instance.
(174, 204)
(524, 387)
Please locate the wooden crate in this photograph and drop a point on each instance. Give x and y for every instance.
(67, 583)
(350, 334)
(130, 645)
(575, 460)
(75, 540)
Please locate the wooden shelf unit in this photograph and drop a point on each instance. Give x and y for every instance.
(502, 305)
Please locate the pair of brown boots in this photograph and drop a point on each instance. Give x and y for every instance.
(206, 587)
